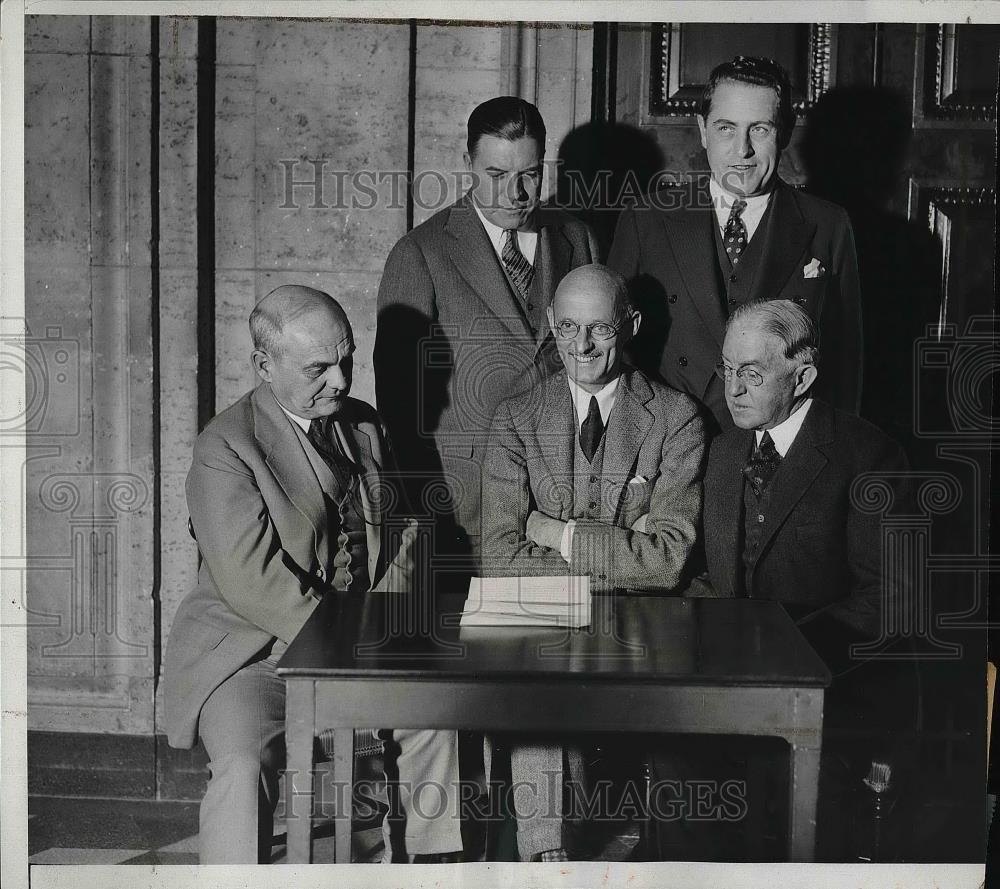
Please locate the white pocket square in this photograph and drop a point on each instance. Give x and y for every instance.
(814, 269)
(638, 480)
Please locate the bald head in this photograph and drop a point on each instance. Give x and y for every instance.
(592, 318)
(290, 304)
(597, 282)
(303, 349)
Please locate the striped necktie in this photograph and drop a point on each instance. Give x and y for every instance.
(518, 268)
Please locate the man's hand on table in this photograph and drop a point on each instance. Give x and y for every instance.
(549, 532)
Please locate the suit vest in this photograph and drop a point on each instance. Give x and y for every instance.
(737, 282)
(587, 480)
(755, 514)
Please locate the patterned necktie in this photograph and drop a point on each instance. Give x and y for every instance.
(346, 474)
(762, 465)
(591, 430)
(735, 234)
(343, 469)
(518, 268)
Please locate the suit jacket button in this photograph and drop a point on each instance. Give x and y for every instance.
(682, 361)
(322, 574)
(593, 504)
(531, 306)
(800, 300)
(732, 302)
(732, 278)
(672, 298)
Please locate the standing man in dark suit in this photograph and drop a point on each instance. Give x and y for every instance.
(286, 499)
(461, 316)
(595, 470)
(694, 257)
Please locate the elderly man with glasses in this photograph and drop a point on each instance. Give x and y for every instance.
(595, 470)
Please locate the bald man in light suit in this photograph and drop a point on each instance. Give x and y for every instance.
(282, 496)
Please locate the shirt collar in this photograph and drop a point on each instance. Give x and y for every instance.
(301, 422)
(605, 399)
(525, 240)
(723, 200)
(784, 433)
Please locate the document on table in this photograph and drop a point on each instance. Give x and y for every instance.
(528, 602)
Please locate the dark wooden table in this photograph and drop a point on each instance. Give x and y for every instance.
(645, 664)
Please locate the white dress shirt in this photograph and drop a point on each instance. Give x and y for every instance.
(723, 202)
(784, 433)
(581, 402)
(527, 242)
(301, 422)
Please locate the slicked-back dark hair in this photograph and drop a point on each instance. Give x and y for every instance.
(506, 117)
(755, 71)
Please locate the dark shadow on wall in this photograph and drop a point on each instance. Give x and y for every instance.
(604, 167)
(855, 154)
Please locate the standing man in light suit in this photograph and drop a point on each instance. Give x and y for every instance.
(283, 500)
(595, 470)
(693, 258)
(461, 317)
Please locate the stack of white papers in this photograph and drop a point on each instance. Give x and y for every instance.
(527, 602)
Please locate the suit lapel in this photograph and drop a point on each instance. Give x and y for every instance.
(556, 434)
(799, 468)
(291, 467)
(728, 534)
(788, 235)
(472, 253)
(628, 425)
(691, 236)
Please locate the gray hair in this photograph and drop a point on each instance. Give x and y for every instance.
(788, 322)
(285, 304)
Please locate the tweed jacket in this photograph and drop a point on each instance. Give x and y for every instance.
(651, 497)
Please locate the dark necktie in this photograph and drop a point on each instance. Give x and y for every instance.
(518, 268)
(591, 430)
(735, 234)
(343, 469)
(762, 465)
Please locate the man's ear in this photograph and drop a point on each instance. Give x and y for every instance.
(701, 129)
(261, 364)
(806, 377)
(636, 321)
(468, 160)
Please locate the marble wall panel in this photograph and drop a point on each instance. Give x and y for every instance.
(235, 181)
(56, 33)
(177, 173)
(56, 158)
(235, 296)
(119, 147)
(126, 35)
(347, 106)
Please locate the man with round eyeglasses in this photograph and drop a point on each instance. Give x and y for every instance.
(788, 469)
(595, 470)
(783, 520)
